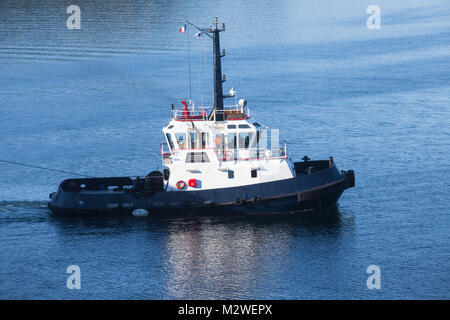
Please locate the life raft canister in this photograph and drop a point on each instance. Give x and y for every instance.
(228, 155)
(181, 185)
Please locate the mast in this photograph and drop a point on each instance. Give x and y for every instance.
(213, 33)
(218, 90)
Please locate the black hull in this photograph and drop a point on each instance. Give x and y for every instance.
(305, 192)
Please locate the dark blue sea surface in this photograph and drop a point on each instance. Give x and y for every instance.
(93, 101)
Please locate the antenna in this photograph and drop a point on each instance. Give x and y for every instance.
(189, 62)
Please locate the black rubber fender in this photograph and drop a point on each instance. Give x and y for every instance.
(256, 199)
(351, 178)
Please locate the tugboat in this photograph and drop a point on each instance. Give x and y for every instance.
(215, 160)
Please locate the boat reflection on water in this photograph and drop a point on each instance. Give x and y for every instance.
(221, 258)
(211, 257)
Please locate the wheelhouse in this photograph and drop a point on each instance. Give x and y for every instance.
(204, 140)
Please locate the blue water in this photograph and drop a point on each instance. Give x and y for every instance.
(94, 100)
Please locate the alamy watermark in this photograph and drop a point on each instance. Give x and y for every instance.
(374, 20)
(374, 280)
(74, 20)
(74, 280)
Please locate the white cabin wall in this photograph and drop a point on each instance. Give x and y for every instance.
(211, 177)
(214, 173)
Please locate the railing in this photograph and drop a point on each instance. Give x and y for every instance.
(200, 114)
(232, 154)
(165, 154)
(235, 112)
(252, 154)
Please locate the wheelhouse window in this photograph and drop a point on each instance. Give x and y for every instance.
(244, 140)
(197, 140)
(231, 141)
(169, 141)
(247, 140)
(219, 141)
(181, 140)
(253, 140)
(203, 136)
(219, 144)
(192, 140)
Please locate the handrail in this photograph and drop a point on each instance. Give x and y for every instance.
(190, 115)
(162, 152)
(204, 114)
(253, 153)
(213, 115)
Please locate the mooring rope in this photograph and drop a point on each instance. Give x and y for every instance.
(43, 168)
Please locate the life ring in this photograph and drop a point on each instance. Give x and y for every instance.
(181, 185)
(228, 155)
(238, 201)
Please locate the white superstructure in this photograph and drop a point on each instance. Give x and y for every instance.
(203, 153)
